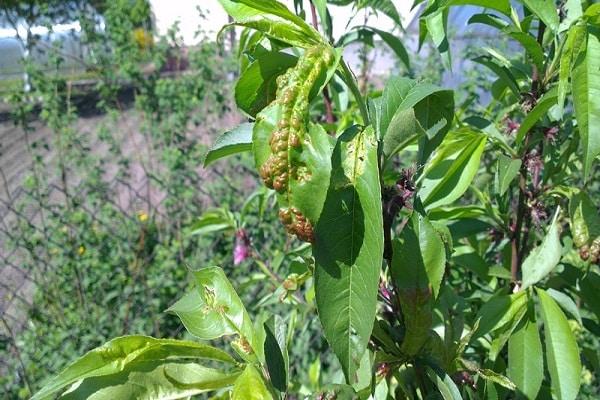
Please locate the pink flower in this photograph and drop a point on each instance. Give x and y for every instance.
(241, 251)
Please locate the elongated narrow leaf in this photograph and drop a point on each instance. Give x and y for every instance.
(450, 172)
(276, 354)
(250, 386)
(499, 5)
(575, 39)
(118, 354)
(533, 48)
(213, 309)
(526, 357)
(418, 265)
(231, 142)
(501, 71)
(562, 352)
(243, 9)
(348, 248)
(278, 29)
(545, 10)
(499, 311)
(257, 85)
(151, 381)
(566, 303)
(542, 259)
(586, 99)
(385, 6)
(507, 170)
(535, 115)
(444, 383)
(394, 43)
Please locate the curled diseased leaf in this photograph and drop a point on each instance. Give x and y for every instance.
(293, 156)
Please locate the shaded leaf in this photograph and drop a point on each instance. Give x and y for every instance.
(418, 265)
(562, 352)
(526, 357)
(586, 99)
(256, 87)
(348, 248)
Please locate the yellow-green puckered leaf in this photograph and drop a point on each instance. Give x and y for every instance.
(250, 386)
(586, 97)
(348, 248)
(129, 353)
(452, 168)
(526, 357)
(584, 219)
(542, 259)
(213, 309)
(562, 352)
(418, 265)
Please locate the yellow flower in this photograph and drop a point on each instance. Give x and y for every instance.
(142, 216)
(81, 250)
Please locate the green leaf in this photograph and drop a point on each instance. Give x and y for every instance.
(526, 358)
(125, 352)
(418, 265)
(385, 6)
(276, 354)
(566, 303)
(250, 386)
(243, 9)
(409, 109)
(506, 170)
(505, 75)
(575, 38)
(282, 30)
(231, 142)
(542, 259)
(533, 48)
(452, 168)
(586, 99)
(394, 43)
(213, 220)
(151, 381)
(562, 353)
(495, 377)
(488, 19)
(213, 309)
(348, 248)
(545, 10)
(499, 311)
(257, 85)
(437, 22)
(535, 114)
(444, 383)
(499, 5)
(589, 292)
